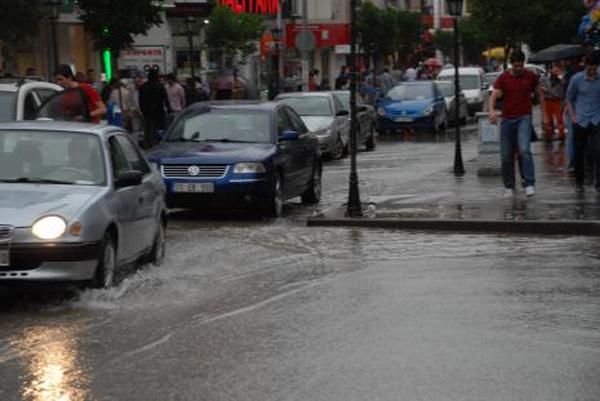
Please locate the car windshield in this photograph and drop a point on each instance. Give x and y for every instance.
(51, 158)
(411, 92)
(309, 105)
(223, 126)
(7, 106)
(446, 88)
(467, 82)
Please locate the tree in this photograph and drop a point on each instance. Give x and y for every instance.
(231, 35)
(18, 21)
(377, 30)
(112, 24)
(409, 33)
(443, 40)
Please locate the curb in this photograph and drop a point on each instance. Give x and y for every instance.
(540, 227)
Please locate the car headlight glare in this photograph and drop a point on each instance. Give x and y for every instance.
(249, 168)
(49, 227)
(381, 111)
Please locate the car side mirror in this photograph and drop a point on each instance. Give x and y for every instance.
(342, 113)
(129, 178)
(290, 135)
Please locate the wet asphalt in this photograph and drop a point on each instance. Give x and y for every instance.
(252, 309)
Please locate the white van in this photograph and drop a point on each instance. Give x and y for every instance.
(473, 85)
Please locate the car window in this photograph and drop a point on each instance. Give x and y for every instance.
(134, 159)
(283, 121)
(297, 122)
(31, 106)
(45, 93)
(118, 159)
(344, 99)
(68, 105)
(309, 105)
(72, 158)
(411, 92)
(8, 106)
(466, 82)
(338, 106)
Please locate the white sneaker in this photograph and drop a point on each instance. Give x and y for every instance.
(508, 192)
(530, 190)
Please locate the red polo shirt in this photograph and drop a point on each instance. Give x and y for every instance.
(516, 93)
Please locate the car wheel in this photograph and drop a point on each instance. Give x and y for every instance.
(275, 203)
(107, 264)
(338, 152)
(312, 194)
(157, 254)
(371, 141)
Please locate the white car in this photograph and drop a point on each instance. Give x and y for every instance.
(22, 101)
(472, 84)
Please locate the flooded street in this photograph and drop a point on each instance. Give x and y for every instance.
(250, 309)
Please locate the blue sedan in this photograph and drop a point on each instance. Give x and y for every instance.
(415, 105)
(239, 154)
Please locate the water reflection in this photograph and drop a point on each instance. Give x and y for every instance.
(53, 369)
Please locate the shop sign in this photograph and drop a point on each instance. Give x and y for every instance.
(252, 6)
(143, 58)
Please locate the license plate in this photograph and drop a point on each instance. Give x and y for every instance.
(201, 188)
(404, 120)
(4, 257)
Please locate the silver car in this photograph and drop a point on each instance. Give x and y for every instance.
(77, 202)
(323, 114)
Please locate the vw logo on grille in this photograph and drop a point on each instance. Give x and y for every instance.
(194, 170)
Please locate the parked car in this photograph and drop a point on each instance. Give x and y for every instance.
(77, 202)
(472, 83)
(21, 100)
(366, 119)
(417, 105)
(324, 115)
(447, 90)
(236, 154)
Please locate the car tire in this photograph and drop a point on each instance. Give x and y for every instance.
(339, 151)
(312, 195)
(157, 254)
(275, 201)
(107, 263)
(371, 142)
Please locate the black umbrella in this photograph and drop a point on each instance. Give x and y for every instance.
(557, 52)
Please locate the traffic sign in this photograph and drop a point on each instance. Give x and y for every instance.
(305, 41)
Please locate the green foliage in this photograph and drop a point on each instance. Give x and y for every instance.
(231, 34)
(112, 24)
(443, 41)
(388, 30)
(19, 20)
(540, 23)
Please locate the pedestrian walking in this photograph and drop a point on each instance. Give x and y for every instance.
(573, 66)
(553, 95)
(120, 97)
(64, 77)
(313, 84)
(155, 107)
(175, 94)
(386, 81)
(583, 106)
(516, 86)
(341, 81)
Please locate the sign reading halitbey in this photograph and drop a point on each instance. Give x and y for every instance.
(252, 6)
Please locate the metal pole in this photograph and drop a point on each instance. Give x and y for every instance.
(190, 32)
(354, 208)
(305, 63)
(278, 43)
(459, 169)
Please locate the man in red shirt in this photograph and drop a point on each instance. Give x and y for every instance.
(516, 87)
(70, 103)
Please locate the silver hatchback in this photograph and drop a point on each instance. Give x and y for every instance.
(77, 202)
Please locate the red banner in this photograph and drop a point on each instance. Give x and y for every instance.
(327, 35)
(252, 6)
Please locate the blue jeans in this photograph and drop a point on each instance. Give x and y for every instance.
(516, 136)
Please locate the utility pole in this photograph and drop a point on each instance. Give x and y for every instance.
(305, 63)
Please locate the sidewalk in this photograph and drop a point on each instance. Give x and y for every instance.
(475, 203)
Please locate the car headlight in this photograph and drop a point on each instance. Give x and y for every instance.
(249, 168)
(325, 132)
(428, 110)
(381, 111)
(49, 227)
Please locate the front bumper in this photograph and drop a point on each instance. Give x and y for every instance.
(242, 192)
(50, 261)
(418, 124)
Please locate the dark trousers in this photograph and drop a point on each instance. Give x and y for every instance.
(151, 125)
(587, 142)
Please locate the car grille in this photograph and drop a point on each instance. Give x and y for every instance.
(194, 170)
(6, 233)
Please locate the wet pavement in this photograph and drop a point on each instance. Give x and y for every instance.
(252, 309)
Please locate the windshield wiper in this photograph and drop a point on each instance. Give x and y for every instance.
(28, 180)
(226, 140)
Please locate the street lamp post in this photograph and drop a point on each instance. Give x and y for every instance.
(53, 15)
(190, 36)
(354, 208)
(455, 8)
(276, 33)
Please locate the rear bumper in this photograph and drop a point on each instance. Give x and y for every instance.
(51, 262)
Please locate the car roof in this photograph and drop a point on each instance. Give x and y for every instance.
(55, 126)
(253, 105)
(304, 94)
(13, 87)
(462, 70)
